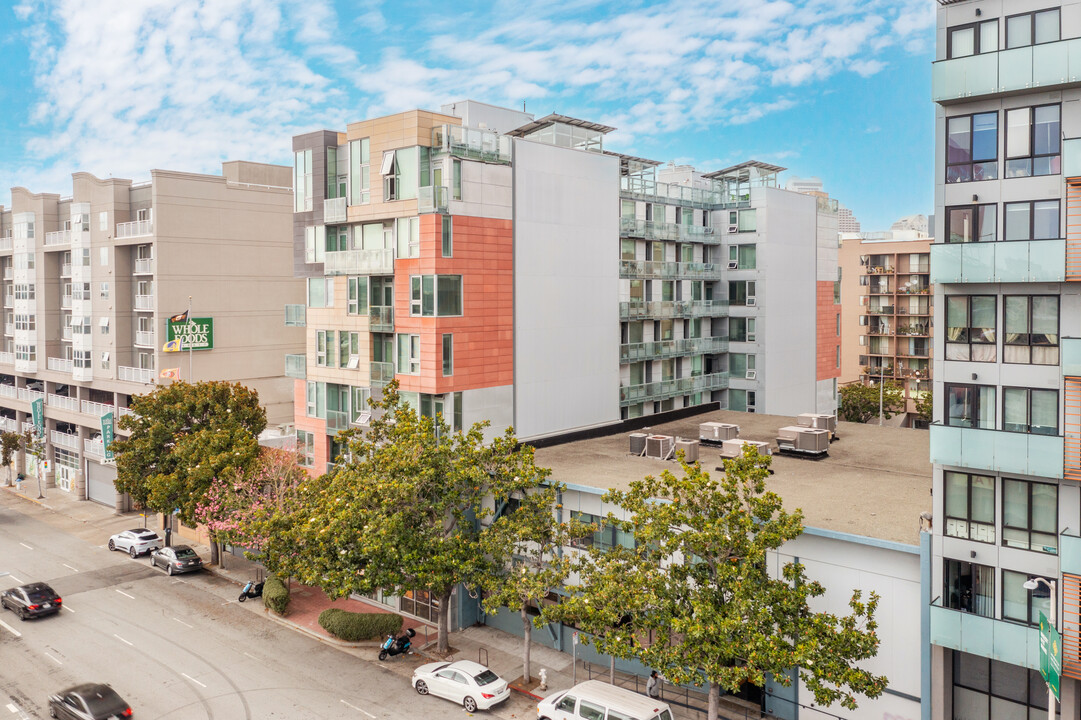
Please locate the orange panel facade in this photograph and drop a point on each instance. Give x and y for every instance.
(316, 426)
(828, 316)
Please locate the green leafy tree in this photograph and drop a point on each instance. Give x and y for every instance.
(924, 405)
(860, 403)
(183, 436)
(694, 599)
(10, 443)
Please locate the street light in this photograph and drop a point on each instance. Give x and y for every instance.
(1032, 584)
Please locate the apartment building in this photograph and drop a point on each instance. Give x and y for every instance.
(886, 329)
(89, 282)
(512, 269)
(1004, 443)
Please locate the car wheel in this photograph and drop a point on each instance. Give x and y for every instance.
(131, 551)
(469, 704)
(52, 710)
(112, 546)
(22, 615)
(422, 687)
(169, 570)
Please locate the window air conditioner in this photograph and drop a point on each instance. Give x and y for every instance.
(707, 231)
(732, 264)
(751, 374)
(750, 302)
(733, 228)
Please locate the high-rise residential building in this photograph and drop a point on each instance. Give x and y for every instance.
(846, 221)
(90, 281)
(1005, 443)
(886, 327)
(511, 269)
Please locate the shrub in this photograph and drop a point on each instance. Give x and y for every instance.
(353, 627)
(275, 595)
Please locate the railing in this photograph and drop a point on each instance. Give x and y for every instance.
(65, 332)
(135, 228)
(144, 266)
(30, 395)
(359, 262)
(985, 636)
(144, 302)
(337, 420)
(296, 315)
(6, 244)
(650, 230)
(9, 328)
(381, 373)
(827, 205)
(634, 352)
(471, 143)
(65, 270)
(7, 358)
(144, 338)
(8, 391)
(999, 262)
(122, 411)
(661, 269)
(134, 374)
(381, 318)
(96, 408)
(647, 189)
(334, 211)
(434, 198)
(63, 401)
(1046, 66)
(296, 366)
(9, 273)
(634, 309)
(65, 302)
(59, 364)
(60, 237)
(64, 439)
(94, 447)
(997, 450)
(7, 424)
(633, 394)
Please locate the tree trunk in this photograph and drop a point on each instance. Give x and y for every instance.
(527, 641)
(714, 701)
(215, 553)
(442, 645)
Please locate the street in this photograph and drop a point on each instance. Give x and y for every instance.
(173, 647)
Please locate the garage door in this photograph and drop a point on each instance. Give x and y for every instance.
(99, 483)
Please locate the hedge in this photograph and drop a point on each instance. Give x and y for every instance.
(353, 627)
(275, 595)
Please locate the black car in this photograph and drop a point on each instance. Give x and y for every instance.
(177, 559)
(90, 701)
(33, 600)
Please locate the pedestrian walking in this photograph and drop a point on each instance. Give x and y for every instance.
(653, 685)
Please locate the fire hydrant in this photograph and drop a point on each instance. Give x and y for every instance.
(543, 680)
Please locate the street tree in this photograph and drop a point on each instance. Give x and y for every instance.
(925, 405)
(860, 402)
(10, 443)
(184, 435)
(694, 598)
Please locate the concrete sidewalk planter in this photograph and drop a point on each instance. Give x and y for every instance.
(356, 627)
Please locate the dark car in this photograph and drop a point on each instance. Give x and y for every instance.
(177, 559)
(33, 600)
(90, 701)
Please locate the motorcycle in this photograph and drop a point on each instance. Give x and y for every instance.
(251, 590)
(397, 646)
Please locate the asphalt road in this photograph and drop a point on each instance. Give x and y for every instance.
(174, 647)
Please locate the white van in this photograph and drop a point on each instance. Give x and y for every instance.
(596, 700)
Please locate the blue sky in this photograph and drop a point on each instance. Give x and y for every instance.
(839, 89)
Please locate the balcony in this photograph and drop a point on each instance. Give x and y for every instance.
(58, 364)
(653, 191)
(296, 366)
(1071, 157)
(136, 228)
(381, 373)
(7, 358)
(144, 302)
(296, 315)
(95, 408)
(26, 365)
(381, 318)
(649, 230)
(637, 309)
(433, 199)
(65, 270)
(471, 143)
(65, 302)
(82, 373)
(9, 328)
(9, 273)
(144, 338)
(8, 391)
(334, 212)
(28, 395)
(60, 237)
(6, 243)
(66, 440)
(359, 262)
(337, 420)
(134, 374)
(63, 402)
(144, 266)
(664, 389)
(96, 448)
(7, 424)
(1050, 66)
(65, 332)
(999, 262)
(635, 352)
(659, 269)
(1009, 642)
(997, 450)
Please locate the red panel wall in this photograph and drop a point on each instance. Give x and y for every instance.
(315, 426)
(827, 314)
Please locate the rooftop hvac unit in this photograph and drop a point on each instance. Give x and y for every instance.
(658, 446)
(734, 448)
(716, 432)
(803, 441)
(638, 443)
(689, 448)
(819, 421)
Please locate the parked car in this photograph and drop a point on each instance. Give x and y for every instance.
(135, 542)
(33, 600)
(89, 701)
(470, 684)
(176, 559)
(594, 699)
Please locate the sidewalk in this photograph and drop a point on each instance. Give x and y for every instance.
(500, 651)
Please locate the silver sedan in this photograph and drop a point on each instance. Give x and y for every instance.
(135, 542)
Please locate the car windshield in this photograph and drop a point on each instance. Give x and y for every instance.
(486, 678)
(104, 700)
(185, 553)
(144, 534)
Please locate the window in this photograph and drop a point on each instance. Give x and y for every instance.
(324, 348)
(1033, 141)
(1021, 604)
(972, 147)
(408, 233)
(295, 315)
(359, 405)
(448, 236)
(435, 295)
(972, 39)
(357, 300)
(971, 327)
(103, 325)
(590, 711)
(741, 292)
(320, 292)
(80, 358)
(626, 249)
(29, 353)
(302, 180)
(1036, 220)
(408, 354)
(1031, 329)
(741, 257)
(315, 243)
(741, 329)
(316, 401)
(105, 361)
(968, 587)
(972, 223)
(348, 350)
(603, 536)
(748, 221)
(1029, 410)
(970, 406)
(456, 180)
(1032, 28)
(382, 291)
(337, 238)
(970, 506)
(104, 292)
(27, 322)
(305, 448)
(448, 355)
(1030, 516)
(985, 688)
(359, 172)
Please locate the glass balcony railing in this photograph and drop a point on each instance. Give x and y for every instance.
(359, 262)
(635, 352)
(471, 143)
(381, 373)
(664, 389)
(1069, 552)
(1071, 357)
(1071, 157)
(648, 189)
(632, 227)
(337, 420)
(334, 211)
(1009, 642)
(381, 318)
(635, 309)
(1049, 65)
(999, 262)
(997, 450)
(296, 366)
(433, 199)
(661, 269)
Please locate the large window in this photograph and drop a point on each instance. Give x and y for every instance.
(348, 350)
(320, 292)
(970, 506)
(408, 354)
(305, 448)
(1036, 220)
(302, 180)
(1031, 329)
(1029, 410)
(408, 237)
(972, 39)
(970, 406)
(741, 257)
(435, 295)
(357, 298)
(604, 536)
(741, 329)
(1024, 605)
(993, 690)
(970, 328)
(359, 172)
(748, 220)
(741, 292)
(1033, 141)
(971, 223)
(969, 587)
(972, 147)
(1032, 28)
(324, 348)
(1030, 515)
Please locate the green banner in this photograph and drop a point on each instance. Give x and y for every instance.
(107, 434)
(193, 334)
(1050, 654)
(37, 411)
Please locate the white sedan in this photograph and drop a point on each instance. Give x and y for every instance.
(135, 542)
(466, 682)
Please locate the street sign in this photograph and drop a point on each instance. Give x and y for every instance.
(37, 411)
(1050, 654)
(107, 434)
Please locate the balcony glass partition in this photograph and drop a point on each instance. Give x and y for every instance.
(1046, 65)
(997, 450)
(997, 262)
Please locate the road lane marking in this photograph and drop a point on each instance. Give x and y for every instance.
(12, 708)
(358, 709)
(251, 656)
(26, 546)
(10, 629)
(53, 659)
(125, 594)
(184, 623)
(123, 640)
(189, 677)
(68, 609)
(69, 567)
(16, 579)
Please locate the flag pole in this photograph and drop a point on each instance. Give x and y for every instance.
(191, 374)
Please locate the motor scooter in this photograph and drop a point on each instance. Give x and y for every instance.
(251, 590)
(397, 646)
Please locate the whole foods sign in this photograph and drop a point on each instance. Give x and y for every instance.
(193, 333)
